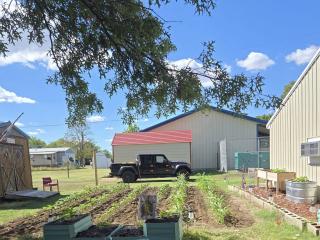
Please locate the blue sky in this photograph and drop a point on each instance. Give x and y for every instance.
(275, 38)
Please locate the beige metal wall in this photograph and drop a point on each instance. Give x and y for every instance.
(208, 128)
(298, 120)
(173, 151)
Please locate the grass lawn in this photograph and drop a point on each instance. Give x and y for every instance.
(266, 227)
(79, 178)
(266, 224)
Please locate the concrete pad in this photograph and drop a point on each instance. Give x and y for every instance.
(30, 194)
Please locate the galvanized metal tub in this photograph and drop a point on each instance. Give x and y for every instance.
(301, 192)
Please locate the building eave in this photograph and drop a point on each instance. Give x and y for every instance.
(238, 115)
(295, 86)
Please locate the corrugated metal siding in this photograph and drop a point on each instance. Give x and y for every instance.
(41, 160)
(152, 137)
(173, 151)
(208, 129)
(297, 121)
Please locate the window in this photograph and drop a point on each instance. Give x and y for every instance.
(147, 160)
(160, 159)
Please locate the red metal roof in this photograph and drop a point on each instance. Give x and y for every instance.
(177, 136)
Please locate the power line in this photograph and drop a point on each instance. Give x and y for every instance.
(64, 124)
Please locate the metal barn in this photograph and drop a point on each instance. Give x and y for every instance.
(15, 169)
(176, 145)
(295, 126)
(216, 136)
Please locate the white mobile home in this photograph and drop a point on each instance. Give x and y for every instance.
(297, 122)
(52, 157)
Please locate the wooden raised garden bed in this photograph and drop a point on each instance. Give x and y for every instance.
(164, 228)
(66, 229)
(97, 233)
(128, 233)
(277, 178)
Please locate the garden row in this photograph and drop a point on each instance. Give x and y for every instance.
(168, 226)
(90, 200)
(111, 212)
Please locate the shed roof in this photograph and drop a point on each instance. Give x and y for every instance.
(295, 86)
(40, 151)
(177, 136)
(7, 124)
(234, 114)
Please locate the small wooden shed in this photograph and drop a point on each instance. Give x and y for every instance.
(15, 168)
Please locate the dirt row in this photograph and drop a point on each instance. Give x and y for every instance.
(203, 216)
(196, 202)
(240, 216)
(128, 215)
(33, 224)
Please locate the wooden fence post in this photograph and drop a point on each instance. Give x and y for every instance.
(95, 167)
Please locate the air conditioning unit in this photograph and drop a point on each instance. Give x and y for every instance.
(310, 149)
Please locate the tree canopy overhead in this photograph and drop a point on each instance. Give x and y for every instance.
(128, 43)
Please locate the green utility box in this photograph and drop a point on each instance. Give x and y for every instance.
(245, 160)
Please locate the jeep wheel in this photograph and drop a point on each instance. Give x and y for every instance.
(128, 177)
(183, 172)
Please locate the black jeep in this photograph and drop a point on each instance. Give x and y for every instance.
(149, 166)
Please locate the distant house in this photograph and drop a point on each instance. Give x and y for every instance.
(52, 157)
(15, 170)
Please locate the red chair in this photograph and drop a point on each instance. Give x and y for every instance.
(48, 182)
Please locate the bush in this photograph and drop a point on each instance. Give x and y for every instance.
(278, 170)
(301, 179)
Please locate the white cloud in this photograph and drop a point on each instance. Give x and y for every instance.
(25, 53)
(255, 61)
(28, 55)
(19, 124)
(11, 97)
(36, 132)
(195, 66)
(109, 140)
(109, 128)
(33, 133)
(302, 56)
(41, 130)
(95, 118)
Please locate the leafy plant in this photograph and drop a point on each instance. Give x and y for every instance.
(163, 190)
(178, 199)
(68, 214)
(301, 179)
(278, 170)
(215, 199)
